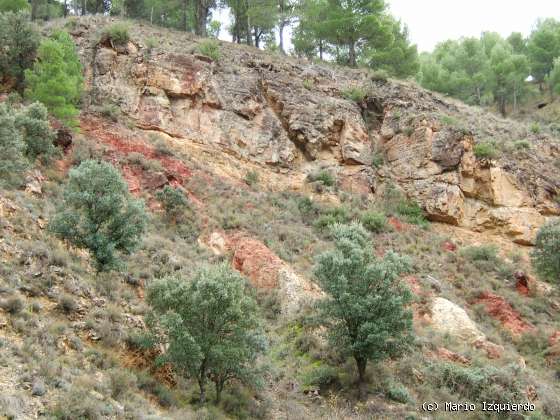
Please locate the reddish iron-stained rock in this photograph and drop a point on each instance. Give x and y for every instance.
(522, 284)
(120, 144)
(252, 258)
(497, 307)
(396, 223)
(493, 351)
(449, 246)
(445, 354)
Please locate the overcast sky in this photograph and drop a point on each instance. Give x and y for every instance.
(433, 21)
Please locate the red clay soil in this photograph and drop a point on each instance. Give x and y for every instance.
(397, 224)
(498, 308)
(449, 246)
(122, 145)
(524, 283)
(252, 258)
(444, 354)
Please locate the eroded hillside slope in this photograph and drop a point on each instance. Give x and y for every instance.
(269, 151)
(293, 117)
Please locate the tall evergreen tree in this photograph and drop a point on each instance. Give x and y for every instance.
(56, 78)
(19, 41)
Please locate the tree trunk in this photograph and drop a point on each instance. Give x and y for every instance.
(201, 18)
(219, 388)
(202, 382)
(361, 364)
(352, 54)
(185, 21)
(34, 7)
(84, 7)
(65, 8)
(281, 35)
(321, 49)
(502, 104)
(249, 37)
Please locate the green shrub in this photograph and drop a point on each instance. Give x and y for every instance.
(374, 221)
(173, 201)
(99, 214)
(67, 303)
(37, 134)
(481, 253)
(56, 78)
(12, 149)
(535, 128)
(356, 94)
(320, 376)
(308, 84)
(323, 176)
(399, 393)
(485, 150)
(116, 34)
(121, 382)
(210, 48)
(377, 160)
(330, 217)
(522, 145)
(19, 40)
(12, 305)
(251, 178)
(546, 253)
(110, 111)
(151, 43)
(479, 383)
(411, 212)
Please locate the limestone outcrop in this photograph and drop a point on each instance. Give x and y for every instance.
(293, 116)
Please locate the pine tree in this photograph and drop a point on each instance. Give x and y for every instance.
(56, 78)
(19, 41)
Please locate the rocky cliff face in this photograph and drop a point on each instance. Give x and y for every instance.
(292, 117)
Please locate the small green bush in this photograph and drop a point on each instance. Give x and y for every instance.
(489, 383)
(251, 178)
(210, 48)
(173, 201)
(12, 305)
(411, 212)
(485, 150)
(377, 160)
(116, 34)
(399, 393)
(546, 254)
(67, 303)
(323, 176)
(374, 221)
(356, 94)
(535, 128)
(308, 84)
(481, 253)
(522, 145)
(332, 216)
(320, 376)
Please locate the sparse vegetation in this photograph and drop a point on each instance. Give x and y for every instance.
(546, 254)
(210, 48)
(173, 202)
(117, 34)
(485, 150)
(251, 178)
(355, 93)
